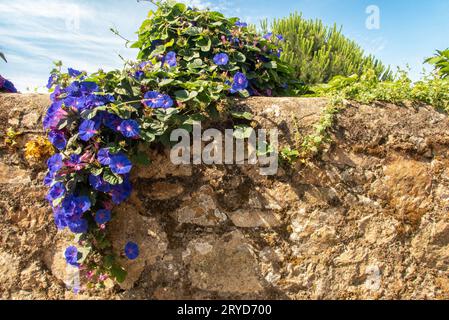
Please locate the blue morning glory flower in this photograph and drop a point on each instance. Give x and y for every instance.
(131, 250)
(74, 73)
(78, 226)
(74, 207)
(51, 81)
(88, 87)
(120, 193)
(234, 40)
(138, 75)
(170, 59)
(57, 138)
(88, 129)
(130, 128)
(112, 121)
(104, 157)
(48, 180)
(154, 99)
(55, 163)
(268, 36)
(280, 37)
(60, 219)
(98, 183)
(7, 85)
(82, 204)
(279, 52)
(241, 24)
(74, 89)
(56, 191)
(54, 115)
(240, 82)
(71, 256)
(221, 59)
(57, 93)
(120, 164)
(103, 216)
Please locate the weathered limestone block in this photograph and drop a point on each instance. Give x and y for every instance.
(226, 264)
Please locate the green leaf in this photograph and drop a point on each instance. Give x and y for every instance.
(242, 115)
(96, 171)
(242, 132)
(148, 136)
(205, 44)
(165, 82)
(84, 251)
(113, 179)
(271, 65)
(194, 118)
(184, 95)
(193, 31)
(118, 273)
(239, 57)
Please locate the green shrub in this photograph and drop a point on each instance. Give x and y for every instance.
(441, 62)
(318, 53)
(432, 90)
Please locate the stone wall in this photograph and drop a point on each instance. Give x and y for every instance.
(368, 220)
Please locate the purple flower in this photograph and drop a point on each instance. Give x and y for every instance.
(55, 114)
(112, 121)
(104, 157)
(280, 37)
(154, 99)
(103, 216)
(120, 164)
(170, 59)
(235, 41)
(71, 256)
(56, 191)
(131, 250)
(57, 93)
(143, 64)
(88, 129)
(55, 163)
(268, 36)
(138, 75)
(241, 24)
(48, 180)
(74, 89)
(98, 183)
(60, 219)
(57, 138)
(279, 52)
(221, 59)
(74, 73)
(240, 82)
(78, 226)
(74, 207)
(88, 87)
(121, 192)
(51, 81)
(7, 85)
(130, 129)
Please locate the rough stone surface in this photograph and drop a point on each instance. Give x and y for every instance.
(367, 220)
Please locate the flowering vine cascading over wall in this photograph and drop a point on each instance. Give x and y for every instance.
(189, 61)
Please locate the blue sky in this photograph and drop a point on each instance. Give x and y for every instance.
(33, 33)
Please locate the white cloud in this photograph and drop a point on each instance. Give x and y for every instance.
(35, 33)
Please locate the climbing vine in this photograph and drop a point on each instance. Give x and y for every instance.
(189, 61)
